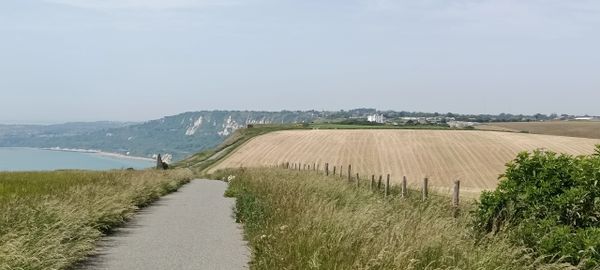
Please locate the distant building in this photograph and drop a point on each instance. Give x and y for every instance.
(461, 124)
(376, 118)
(435, 120)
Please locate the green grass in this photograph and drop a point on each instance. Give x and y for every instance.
(52, 220)
(304, 220)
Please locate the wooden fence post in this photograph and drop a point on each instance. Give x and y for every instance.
(357, 180)
(341, 171)
(425, 188)
(372, 182)
(327, 169)
(349, 173)
(314, 166)
(455, 197)
(159, 162)
(333, 170)
(379, 182)
(404, 191)
(387, 186)
(287, 165)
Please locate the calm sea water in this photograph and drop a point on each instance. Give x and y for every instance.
(29, 159)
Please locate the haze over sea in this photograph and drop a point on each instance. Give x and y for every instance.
(30, 159)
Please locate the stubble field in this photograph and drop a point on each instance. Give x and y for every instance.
(581, 129)
(477, 158)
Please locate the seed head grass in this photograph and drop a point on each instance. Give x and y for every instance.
(304, 220)
(52, 220)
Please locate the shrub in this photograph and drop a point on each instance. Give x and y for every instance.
(549, 202)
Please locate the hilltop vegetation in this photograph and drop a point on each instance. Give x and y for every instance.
(51, 220)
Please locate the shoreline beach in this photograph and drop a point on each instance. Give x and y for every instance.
(97, 152)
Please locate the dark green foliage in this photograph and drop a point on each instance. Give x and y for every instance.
(550, 203)
(358, 122)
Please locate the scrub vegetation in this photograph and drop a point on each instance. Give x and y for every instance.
(52, 220)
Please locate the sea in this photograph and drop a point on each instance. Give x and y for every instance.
(32, 159)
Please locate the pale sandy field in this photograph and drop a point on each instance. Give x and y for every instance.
(477, 158)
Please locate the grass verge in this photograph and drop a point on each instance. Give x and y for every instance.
(304, 220)
(51, 220)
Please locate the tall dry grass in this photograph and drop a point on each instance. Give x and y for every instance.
(51, 220)
(304, 220)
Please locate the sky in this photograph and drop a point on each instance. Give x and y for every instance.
(136, 60)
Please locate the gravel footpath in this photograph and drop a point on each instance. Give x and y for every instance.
(189, 229)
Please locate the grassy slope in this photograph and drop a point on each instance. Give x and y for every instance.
(51, 220)
(201, 161)
(303, 220)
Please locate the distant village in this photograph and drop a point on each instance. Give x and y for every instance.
(453, 122)
(409, 121)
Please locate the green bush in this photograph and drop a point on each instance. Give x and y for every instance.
(548, 202)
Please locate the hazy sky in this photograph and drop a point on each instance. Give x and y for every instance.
(67, 60)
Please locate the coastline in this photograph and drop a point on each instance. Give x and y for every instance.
(98, 152)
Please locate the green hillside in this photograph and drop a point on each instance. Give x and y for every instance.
(180, 135)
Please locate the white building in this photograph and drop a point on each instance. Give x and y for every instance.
(376, 118)
(461, 124)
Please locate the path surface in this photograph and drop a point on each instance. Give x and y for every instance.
(189, 229)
